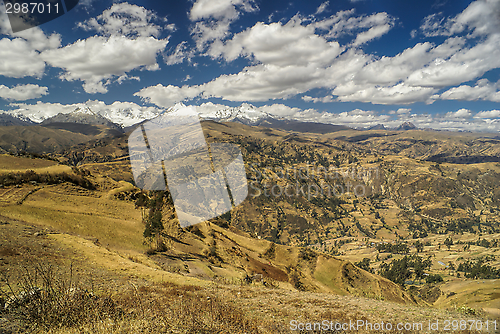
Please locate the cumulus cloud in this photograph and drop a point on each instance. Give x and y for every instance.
(20, 52)
(479, 18)
(282, 45)
(128, 43)
(371, 34)
(22, 92)
(488, 114)
(294, 57)
(219, 9)
(483, 90)
(167, 96)
(280, 110)
(400, 111)
(366, 27)
(307, 49)
(19, 60)
(124, 113)
(124, 19)
(322, 8)
(464, 65)
(214, 17)
(459, 114)
(97, 60)
(396, 94)
(324, 99)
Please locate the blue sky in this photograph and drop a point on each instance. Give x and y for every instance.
(355, 62)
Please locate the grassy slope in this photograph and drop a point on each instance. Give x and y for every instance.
(115, 224)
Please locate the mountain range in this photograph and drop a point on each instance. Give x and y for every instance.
(126, 118)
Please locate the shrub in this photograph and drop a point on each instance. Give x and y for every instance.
(433, 278)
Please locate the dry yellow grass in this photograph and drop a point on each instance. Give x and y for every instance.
(121, 264)
(112, 222)
(11, 164)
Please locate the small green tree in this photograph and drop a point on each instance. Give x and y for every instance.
(153, 225)
(419, 246)
(364, 264)
(448, 242)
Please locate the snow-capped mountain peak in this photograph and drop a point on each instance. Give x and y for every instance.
(126, 114)
(245, 113)
(84, 110)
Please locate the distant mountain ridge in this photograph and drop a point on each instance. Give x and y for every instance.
(246, 114)
(124, 119)
(406, 126)
(377, 127)
(81, 116)
(9, 120)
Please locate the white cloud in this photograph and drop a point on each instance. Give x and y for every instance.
(180, 54)
(322, 7)
(167, 96)
(290, 58)
(464, 65)
(123, 113)
(483, 90)
(488, 114)
(396, 94)
(124, 19)
(87, 4)
(459, 114)
(219, 9)
(128, 43)
(22, 92)
(98, 60)
(20, 52)
(324, 99)
(280, 110)
(479, 18)
(19, 60)
(215, 18)
(403, 111)
(372, 33)
(282, 45)
(344, 23)
(264, 82)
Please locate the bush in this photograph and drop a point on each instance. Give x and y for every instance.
(433, 278)
(11, 179)
(42, 299)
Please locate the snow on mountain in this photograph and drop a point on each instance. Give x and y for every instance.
(83, 111)
(122, 113)
(126, 114)
(82, 115)
(35, 116)
(245, 113)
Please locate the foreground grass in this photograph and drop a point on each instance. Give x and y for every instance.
(68, 305)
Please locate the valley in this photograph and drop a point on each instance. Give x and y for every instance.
(328, 216)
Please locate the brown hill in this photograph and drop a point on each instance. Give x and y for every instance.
(51, 138)
(104, 211)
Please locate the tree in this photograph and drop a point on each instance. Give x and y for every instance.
(433, 279)
(398, 271)
(153, 225)
(448, 242)
(419, 246)
(364, 264)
